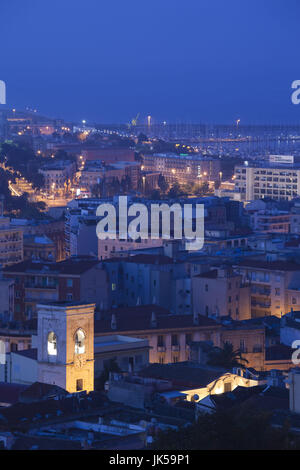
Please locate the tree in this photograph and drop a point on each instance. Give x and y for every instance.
(175, 191)
(111, 366)
(163, 185)
(226, 357)
(237, 428)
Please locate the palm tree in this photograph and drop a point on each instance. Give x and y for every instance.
(227, 357)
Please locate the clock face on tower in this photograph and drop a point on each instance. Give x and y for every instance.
(79, 361)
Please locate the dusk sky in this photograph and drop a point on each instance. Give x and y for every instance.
(179, 60)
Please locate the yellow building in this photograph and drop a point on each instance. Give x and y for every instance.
(66, 345)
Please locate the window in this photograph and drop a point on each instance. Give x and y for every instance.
(79, 385)
(188, 338)
(79, 342)
(113, 286)
(52, 344)
(69, 282)
(69, 297)
(206, 287)
(160, 341)
(174, 340)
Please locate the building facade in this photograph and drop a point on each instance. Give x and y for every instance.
(66, 345)
(183, 168)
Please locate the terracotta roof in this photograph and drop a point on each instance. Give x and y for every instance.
(75, 266)
(271, 265)
(139, 318)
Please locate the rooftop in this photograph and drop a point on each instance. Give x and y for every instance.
(141, 318)
(270, 265)
(77, 265)
(184, 374)
(10, 392)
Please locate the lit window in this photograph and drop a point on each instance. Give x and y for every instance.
(79, 341)
(52, 344)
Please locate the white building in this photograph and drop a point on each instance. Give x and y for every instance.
(276, 179)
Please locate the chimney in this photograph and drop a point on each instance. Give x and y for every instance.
(153, 320)
(113, 324)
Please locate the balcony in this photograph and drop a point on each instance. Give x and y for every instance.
(31, 285)
(254, 303)
(175, 347)
(161, 348)
(261, 291)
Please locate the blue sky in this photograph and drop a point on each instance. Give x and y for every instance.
(182, 60)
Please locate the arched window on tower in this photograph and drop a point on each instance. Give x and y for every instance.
(52, 344)
(79, 342)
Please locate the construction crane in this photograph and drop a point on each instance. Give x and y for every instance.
(133, 121)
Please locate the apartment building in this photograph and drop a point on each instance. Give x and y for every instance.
(52, 229)
(110, 248)
(96, 171)
(168, 335)
(274, 285)
(143, 279)
(249, 340)
(221, 292)
(272, 221)
(276, 180)
(36, 281)
(58, 176)
(183, 168)
(11, 243)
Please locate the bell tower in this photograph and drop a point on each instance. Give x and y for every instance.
(66, 345)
